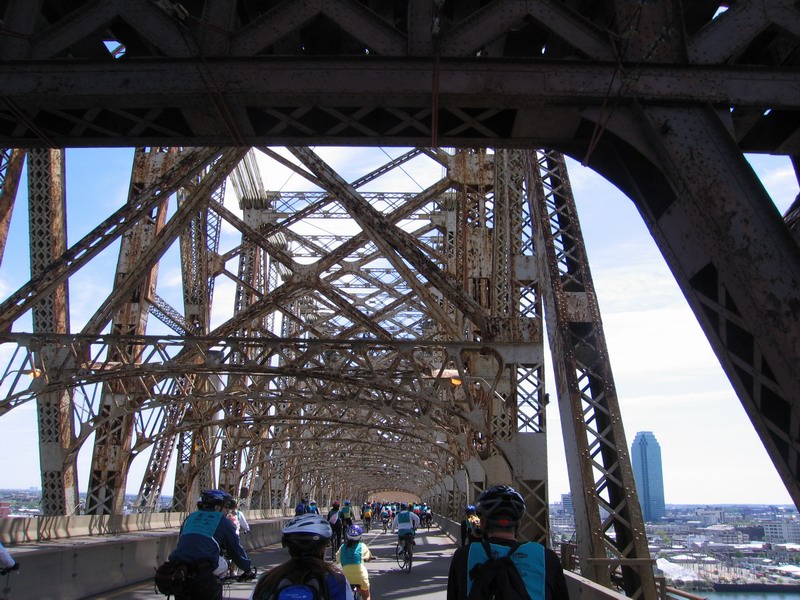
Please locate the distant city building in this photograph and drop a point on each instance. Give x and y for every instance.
(566, 503)
(781, 532)
(646, 461)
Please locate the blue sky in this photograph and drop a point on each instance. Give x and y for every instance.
(668, 380)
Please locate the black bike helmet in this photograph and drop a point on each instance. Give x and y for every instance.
(501, 506)
(213, 498)
(306, 535)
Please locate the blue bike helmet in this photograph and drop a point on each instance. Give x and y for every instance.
(214, 498)
(354, 533)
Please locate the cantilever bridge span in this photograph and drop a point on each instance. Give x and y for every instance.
(371, 329)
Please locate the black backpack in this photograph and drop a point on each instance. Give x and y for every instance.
(497, 578)
(172, 578)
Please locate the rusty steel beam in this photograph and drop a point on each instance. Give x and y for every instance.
(47, 207)
(105, 493)
(600, 472)
(43, 86)
(392, 239)
(100, 237)
(738, 266)
(11, 161)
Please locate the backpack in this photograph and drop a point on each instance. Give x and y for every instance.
(311, 589)
(333, 517)
(497, 578)
(172, 578)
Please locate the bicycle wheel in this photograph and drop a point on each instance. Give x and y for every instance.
(400, 555)
(409, 556)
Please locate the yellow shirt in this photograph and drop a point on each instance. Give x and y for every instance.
(356, 573)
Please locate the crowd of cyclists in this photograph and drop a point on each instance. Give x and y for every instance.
(212, 533)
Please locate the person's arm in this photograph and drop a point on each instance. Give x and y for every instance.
(555, 581)
(6, 560)
(464, 532)
(454, 580)
(243, 522)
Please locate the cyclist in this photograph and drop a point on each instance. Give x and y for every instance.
(301, 508)
(244, 526)
(352, 555)
(366, 515)
(470, 526)
(347, 514)
(335, 521)
(426, 515)
(236, 517)
(306, 537)
(313, 508)
(500, 509)
(204, 534)
(385, 517)
(405, 523)
(7, 562)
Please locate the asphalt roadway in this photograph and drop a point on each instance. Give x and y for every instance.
(426, 581)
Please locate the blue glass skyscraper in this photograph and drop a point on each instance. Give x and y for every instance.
(646, 461)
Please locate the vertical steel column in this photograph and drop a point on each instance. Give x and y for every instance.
(48, 241)
(601, 477)
(518, 314)
(11, 161)
(112, 445)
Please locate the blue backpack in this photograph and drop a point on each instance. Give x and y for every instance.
(311, 589)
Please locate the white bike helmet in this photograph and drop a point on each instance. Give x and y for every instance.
(306, 534)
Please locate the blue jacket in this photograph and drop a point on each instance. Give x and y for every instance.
(204, 534)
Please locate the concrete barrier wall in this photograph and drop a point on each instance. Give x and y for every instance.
(44, 529)
(80, 567)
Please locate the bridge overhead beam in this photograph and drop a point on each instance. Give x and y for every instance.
(387, 101)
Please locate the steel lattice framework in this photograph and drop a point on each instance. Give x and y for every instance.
(349, 340)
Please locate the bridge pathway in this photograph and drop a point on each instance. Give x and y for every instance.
(427, 580)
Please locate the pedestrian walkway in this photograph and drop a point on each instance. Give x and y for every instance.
(426, 581)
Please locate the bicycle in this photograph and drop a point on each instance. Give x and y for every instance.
(366, 524)
(356, 592)
(385, 523)
(404, 552)
(227, 580)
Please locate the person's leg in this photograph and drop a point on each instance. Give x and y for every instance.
(206, 585)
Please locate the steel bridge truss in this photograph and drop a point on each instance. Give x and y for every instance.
(376, 339)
